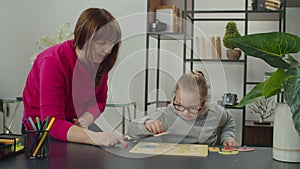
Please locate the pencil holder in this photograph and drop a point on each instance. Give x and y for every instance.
(37, 144)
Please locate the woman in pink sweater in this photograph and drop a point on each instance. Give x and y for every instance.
(68, 81)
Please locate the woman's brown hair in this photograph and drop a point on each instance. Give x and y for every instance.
(94, 24)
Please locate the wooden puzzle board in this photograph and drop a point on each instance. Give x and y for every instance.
(170, 149)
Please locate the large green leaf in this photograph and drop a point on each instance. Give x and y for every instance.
(292, 93)
(292, 60)
(273, 85)
(253, 95)
(271, 47)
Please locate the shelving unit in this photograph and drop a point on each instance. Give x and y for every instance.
(184, 5)
(187, 36)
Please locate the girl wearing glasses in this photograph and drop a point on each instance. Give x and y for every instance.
(190, 117)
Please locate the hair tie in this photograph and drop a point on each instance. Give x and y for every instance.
(198, 73)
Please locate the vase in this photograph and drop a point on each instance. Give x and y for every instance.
(286, 140)
(233, 54)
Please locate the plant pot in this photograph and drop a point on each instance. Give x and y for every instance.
(233, 54)
(286, 141)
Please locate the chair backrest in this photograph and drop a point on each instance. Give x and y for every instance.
(162, 103)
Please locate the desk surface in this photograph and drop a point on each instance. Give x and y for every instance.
(77, 156)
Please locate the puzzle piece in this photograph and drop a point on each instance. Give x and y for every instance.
(229, 152)
(214, 149)
(245, 149)
(147, 146)
(229, 149)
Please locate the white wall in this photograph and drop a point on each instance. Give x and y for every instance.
(24, 22)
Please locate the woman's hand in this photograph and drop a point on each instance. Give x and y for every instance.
(85, 120)
(154, 126)
(106, 139)
(230, 143)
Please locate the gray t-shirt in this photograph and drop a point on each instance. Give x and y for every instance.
(214, 126)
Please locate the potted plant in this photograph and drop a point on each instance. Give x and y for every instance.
(231, 32)
(276, 48)
(264, 107)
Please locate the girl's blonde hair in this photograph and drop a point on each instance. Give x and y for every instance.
(193, 82)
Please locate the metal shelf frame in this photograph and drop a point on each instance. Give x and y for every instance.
(193, 16)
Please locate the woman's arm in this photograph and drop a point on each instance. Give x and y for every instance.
(80, 135)
(97, 106)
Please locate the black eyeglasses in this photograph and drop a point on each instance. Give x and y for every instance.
(191, 110)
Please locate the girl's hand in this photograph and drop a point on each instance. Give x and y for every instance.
(154, 126)
(230, 143)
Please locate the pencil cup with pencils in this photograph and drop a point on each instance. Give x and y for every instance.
(37, 139)
(37, 144)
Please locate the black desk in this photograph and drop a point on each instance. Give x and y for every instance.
(78, 156)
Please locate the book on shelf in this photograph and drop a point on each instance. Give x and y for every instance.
(216, 47)
(208, 47)
(213, 47)
(202, 47)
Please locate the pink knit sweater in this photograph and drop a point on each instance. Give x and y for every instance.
(48, 89)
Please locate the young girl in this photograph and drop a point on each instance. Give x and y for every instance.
(190, 116)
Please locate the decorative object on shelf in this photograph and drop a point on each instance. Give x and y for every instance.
(273, 5)
(258, 5)
(62, 34)
(170, 16)
(231, 32)
(158, 26)
(276, 48)
(264, 107)
(229, 99)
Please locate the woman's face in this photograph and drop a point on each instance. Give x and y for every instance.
(100, 49)
(188, 104)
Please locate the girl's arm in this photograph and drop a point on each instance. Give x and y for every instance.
(137, 128)
(228, 129)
